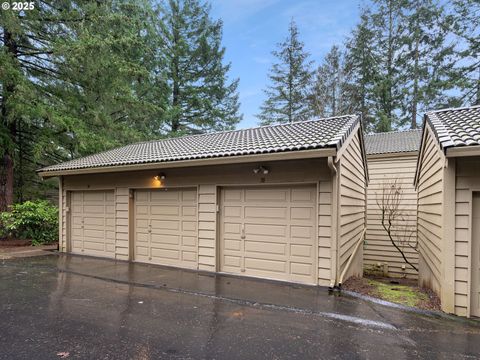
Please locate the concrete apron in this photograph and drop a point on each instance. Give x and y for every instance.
(313, 300)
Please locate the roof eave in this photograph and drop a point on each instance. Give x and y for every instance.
(461, 151)
(276, 156)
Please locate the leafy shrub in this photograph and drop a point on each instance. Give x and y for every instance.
(32, 220)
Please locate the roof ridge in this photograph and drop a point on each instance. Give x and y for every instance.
(453, 109)
(246, 129)
(395, 132)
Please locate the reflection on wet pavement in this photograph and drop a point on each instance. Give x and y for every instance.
(77, 307)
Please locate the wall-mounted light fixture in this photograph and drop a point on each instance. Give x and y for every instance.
(160, 176)
(261, 170)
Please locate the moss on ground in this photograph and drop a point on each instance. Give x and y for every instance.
(400, 294)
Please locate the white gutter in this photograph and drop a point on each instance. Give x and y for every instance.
(284, 155)
(334, 244)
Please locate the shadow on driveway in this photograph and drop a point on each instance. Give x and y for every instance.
(71, 306)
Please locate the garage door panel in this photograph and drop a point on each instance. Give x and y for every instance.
(93, 223)
(172, 210)
(302, 213)
(165, 254)
(278, 240)
(303, 195)
(262, 195)
(300, 269)
(190, 256)
(265, 212)
(301, 250)
(233, 244)
(274, 266)
(164, 239)
(232, 261)
(265, 230)
(172, 196)
(267, 248)
(141, 237)
(189, 211)
(161, 225)
(167, 226)
(94, 209)
(141, 210)
(189, 226)
(232, 212)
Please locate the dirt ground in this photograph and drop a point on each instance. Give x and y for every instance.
(397, 290)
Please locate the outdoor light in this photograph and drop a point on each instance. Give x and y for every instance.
(160, 176)
(261, 170)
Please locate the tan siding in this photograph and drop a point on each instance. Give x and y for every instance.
(63, 221)
(324, 232)
(430, 210)
(207, 225)
(378, 248)
(467, 180)
(121, 223)
(208, 179)
(352, 204)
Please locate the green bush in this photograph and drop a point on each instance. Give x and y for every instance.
(32, 220)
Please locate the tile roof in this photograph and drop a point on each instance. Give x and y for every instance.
(393, 142)
(456, 127)
(312, 134)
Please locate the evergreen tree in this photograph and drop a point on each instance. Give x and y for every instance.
(67, 85)
(287, 95)
(426, 62)
(200, 96)
(466, 28)
(389, 22)
(361, 66)
(327, 97)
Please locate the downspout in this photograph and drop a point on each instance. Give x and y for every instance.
(334, 243)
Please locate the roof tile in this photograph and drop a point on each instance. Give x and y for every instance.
(313, 134)
(393, 142)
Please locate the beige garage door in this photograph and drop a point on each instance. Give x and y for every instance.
(93, 223)
(166, 227)
(475, 298)
(269, 232)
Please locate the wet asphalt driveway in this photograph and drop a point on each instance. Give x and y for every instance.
(60, 306)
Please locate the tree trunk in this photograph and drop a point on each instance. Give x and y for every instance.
(413, 124)
(6, 174)
(6, 183)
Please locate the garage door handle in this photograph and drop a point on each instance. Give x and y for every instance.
(243, 232)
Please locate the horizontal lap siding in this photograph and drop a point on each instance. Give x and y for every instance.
(324, 232)
(430, 210)
(467, 180)
(352, 203)
(378, 248)
(207, 226)
(122, 198)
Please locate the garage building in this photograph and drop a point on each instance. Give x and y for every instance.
(448, 185)
(283, 202)
(391, 156)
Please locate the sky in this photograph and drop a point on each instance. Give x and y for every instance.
(252, 28)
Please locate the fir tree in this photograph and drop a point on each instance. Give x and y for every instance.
(361, 63)
(287, 95)
(200, 96)
(327, 97)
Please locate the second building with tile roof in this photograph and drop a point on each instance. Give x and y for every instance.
(391, 156)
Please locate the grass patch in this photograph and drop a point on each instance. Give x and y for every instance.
(400, 294)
